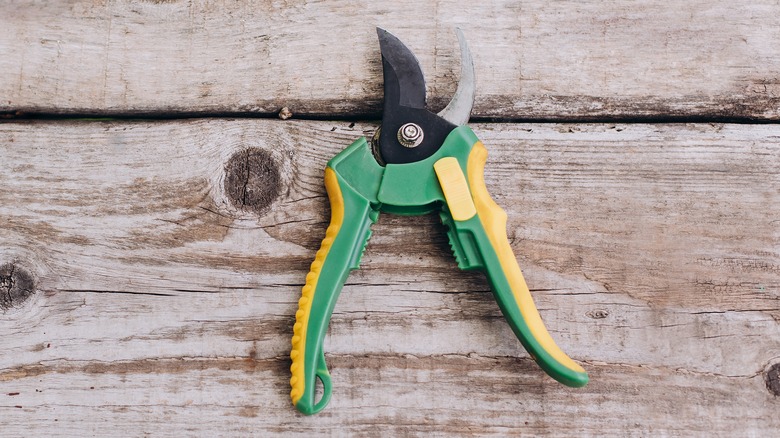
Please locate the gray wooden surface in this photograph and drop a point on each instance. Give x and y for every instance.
(139, 296)
(534, 59)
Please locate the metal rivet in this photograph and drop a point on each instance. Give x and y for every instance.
(410, 135)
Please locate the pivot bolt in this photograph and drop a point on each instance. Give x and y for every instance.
(410, 135)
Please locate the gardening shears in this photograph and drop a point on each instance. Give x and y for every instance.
(416, 163)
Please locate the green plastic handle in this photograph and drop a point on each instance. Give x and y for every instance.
(480, 242)
(450, 181)
(340, 252)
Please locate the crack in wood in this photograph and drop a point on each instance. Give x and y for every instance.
(125, 292)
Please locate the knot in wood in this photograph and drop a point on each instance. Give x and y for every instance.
(772, 378)
(252, 180)
(16, 286)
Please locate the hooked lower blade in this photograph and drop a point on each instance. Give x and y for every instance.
(458, 111)
(404, 81)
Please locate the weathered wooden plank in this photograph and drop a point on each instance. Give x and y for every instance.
(379, 395)
(534, 59)
(652, 251)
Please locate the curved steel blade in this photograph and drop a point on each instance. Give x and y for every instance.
(458, 110)
(404, 80)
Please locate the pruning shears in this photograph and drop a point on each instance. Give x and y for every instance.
(417, 162)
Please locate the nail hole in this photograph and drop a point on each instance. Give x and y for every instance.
(598, 314)
(252, 180)
(16, 286)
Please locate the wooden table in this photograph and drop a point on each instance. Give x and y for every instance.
(157, 219)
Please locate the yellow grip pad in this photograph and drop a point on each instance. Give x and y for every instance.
(456, 191)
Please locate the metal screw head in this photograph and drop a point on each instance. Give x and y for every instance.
(410, 135)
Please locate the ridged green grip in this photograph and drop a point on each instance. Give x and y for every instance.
(340, 252)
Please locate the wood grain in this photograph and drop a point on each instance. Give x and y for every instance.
(163, 308)
(566, 60)
(400, 396)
